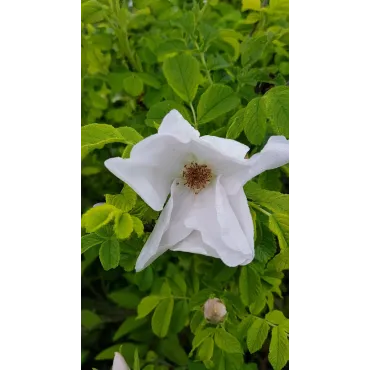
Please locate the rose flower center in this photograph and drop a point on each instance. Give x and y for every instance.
(196, 176)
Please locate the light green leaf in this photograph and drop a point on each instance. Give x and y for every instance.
(183, 75)
(90, 240)
(147, 305)
(138, 226)
(149, 79)
(279, 348)
(128, 326)
(89, 319)
(95, 136)
(257, 335)
(249, 285)
(157, 112)
(216, 100)
(236, 124)
(97, 217)
(130, 135)
(123, 226)
(277, 317)
(205, 351)
(109, 254)
(161, 318)
(279, 225)
(133, 85)
(255, 121)
(281, 261)
(227, 342)
(273, 200)
(251, 5)
(127, 151)
(277, 106)
(252, 49)
(201, 336)
(124, 201)
(259, 304)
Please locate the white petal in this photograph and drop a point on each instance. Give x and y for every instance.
(239, 204)
(170, 228)
(195, 244)
(119, 362)
(214, 218)
(174, 124)
(273, 155)
(231, 148)
(153, 165)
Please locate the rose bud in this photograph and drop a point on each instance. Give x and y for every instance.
(214, 311)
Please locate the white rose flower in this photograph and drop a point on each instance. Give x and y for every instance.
(207, 212)
(119, 362)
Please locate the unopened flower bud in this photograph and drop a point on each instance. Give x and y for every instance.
(214, 311)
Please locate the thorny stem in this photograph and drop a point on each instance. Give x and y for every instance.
(194, 115)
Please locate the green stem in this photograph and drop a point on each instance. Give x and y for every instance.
(255, 206)
(194, 115)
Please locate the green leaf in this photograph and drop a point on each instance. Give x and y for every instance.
(136, 360)
(277, 106)
(97, 217)
(196, 321)
(180, 316)
(108, 353)
(249, 285)
(130, 135)
(246, 323)
(227, 342)
(201, 336)
(273, 200)
(147, 305)
(128, 326)
(279, 348)
(123, 226)
(252, 49)
(130, 198)
(277, 317)
(251, 5)
(281, 261)
(216, 100)
(265, 248)
(149, 79)
(89, 319)
(161, 318)
(259, 304)
(125, 298)
(279, 225)
(205, 351)
(183, 75)
(157, 112)
(144, 278)
(109, 254)
(138, 226)
(96, 135)
(257, 335)
(90, 240)
(172, 350)
(255, 121)
(133, 85)
(236, 124)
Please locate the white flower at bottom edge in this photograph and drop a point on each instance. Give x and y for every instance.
(119, 362)
(207, 212)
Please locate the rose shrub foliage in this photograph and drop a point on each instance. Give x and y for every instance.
(224, 66)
